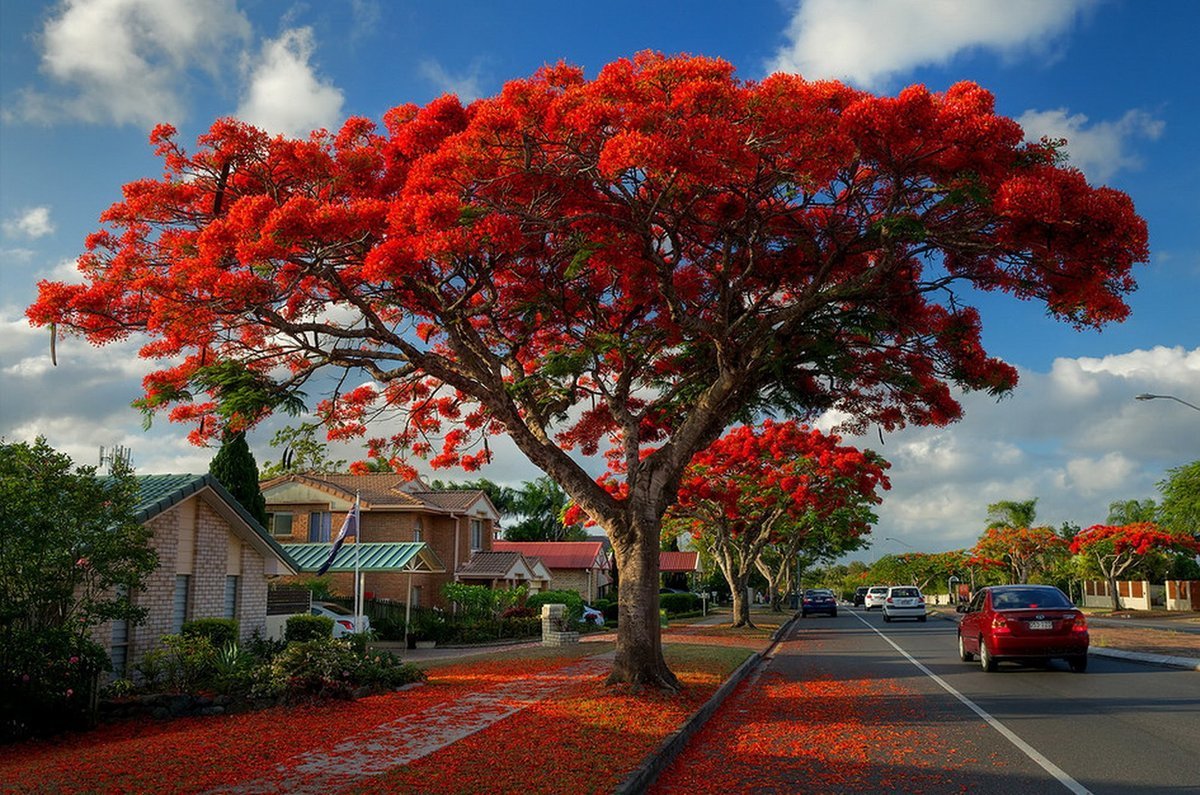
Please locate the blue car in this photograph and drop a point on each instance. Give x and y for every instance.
(818, 600)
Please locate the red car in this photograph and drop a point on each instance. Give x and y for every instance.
(1022, 622)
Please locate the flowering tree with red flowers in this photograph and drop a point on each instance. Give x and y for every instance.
(1026, 551)
(1116, 548)
(637, 259)
(781, 484)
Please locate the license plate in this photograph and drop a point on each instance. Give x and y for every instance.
(1041, 624)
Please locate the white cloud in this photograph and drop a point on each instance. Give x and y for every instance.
(284, 94)
(466, 86)
(866, 42)
(1073, 437)
(32, 222)
(126, 61)
(1098, 150)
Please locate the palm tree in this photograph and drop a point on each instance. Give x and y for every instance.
(1124, 512)
(1012, 513)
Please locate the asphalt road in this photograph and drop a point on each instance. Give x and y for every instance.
(1119, 728)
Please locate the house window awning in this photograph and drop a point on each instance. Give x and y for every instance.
(410, 556)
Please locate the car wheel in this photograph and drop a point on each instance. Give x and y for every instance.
(1078, 663)
(886, 618)
(963, 654)
(986, 661)
(833, 614)
(921, 619)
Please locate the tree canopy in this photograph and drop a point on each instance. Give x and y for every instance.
(234, 466)
(630, 262)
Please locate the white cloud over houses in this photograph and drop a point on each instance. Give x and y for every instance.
(127, 61)
(284, 94)
(1098, 149)
(868, 42)
(32, 222)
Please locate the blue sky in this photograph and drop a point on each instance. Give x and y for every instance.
(82, 83)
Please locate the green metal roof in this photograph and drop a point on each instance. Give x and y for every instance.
(158, 493)
(413, 556)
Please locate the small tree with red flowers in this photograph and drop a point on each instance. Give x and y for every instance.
(634, 260)
(781, 484)
(1027, 551)
(1117, 548)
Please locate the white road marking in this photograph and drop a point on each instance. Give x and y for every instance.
(1027, 749)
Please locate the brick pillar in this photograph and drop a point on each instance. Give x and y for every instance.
(555, 631)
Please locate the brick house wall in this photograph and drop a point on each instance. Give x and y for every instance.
(582, 581)
(193, 539)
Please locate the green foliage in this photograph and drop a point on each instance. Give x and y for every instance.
(179, 664)
(1122, 512)
(540, 504)
(303, 628)
(479, 601)
(70, 553)
(302, 452)
(1180, 509)
(571, 599)
(675, 603)
(220, 631)
(429, 626)
(1012, 513)
(234, 466)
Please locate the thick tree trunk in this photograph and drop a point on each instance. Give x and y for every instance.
(741, 605)
(639, 660)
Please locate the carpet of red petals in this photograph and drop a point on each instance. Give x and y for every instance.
(820, 736)
(586, 738)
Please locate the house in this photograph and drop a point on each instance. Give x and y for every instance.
(579, 566)
(505, 569)
(677, 568)
(214, 560)
(307, 508)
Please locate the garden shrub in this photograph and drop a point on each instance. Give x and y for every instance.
(571, 599)
(303, 628)
(221, 631)
(388, 627)
(329, 668)
(518, 612)
(675, 603)
(180, 664)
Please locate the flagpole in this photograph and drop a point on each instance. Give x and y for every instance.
(357, 575)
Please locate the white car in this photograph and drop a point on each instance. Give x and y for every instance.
(875, 596)
(903, 601)
(343, 619)
(591, 616)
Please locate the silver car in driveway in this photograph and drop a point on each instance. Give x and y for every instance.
(903, 601)
(343, 619)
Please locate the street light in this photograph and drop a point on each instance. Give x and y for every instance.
(898, 541)
(1147, 396)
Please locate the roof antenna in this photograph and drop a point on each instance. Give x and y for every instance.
(119, 456)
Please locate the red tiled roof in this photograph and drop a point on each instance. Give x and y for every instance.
(556, 554)
(678, 561)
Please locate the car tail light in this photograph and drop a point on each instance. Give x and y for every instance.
(921, 600)
(1080, 624)
(889, 600)
(1000, 625)
(347, 624)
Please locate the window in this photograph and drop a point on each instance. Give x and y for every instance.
(119, 652)
(418, 532)
(280, 524)
(179, 611)
(416, 596)
(476, 535)
(231, 589)
(318, 526)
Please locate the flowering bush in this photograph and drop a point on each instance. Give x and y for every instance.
(304, 627)
(180, 664)
(47, 682)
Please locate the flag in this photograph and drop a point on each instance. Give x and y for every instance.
(349, 528)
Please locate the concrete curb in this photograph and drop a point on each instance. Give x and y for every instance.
(645, 775)
(1146, 658)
